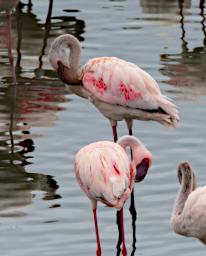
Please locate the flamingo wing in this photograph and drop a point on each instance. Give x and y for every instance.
(103, 171)
(116, 81)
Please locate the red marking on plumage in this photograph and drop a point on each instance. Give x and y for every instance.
(101, 86)
(98, 84)
(116, 169)
(129, 93)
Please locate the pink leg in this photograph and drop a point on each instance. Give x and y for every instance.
(97, 232)
(114, 130)
(124, 250)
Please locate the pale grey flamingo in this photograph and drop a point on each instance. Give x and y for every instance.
(189, 213)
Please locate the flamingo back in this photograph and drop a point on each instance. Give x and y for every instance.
(120, 82)
(116, 81)
(103, 171)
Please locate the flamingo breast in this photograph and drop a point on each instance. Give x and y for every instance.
(103, 171)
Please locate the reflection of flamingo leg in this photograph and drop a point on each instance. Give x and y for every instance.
(134, 218)
(9, 45)
(118, 219)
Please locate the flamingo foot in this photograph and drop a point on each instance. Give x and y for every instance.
(99, 251)
(124, 251)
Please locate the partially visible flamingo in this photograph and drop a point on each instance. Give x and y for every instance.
(189, 214)
(131, 92)
(105, 173)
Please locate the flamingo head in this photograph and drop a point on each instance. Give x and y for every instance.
(142, 169)
(59, 52)
(64, 58)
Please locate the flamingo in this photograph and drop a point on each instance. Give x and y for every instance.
(112, 83)
(189, 214)
(105, 173)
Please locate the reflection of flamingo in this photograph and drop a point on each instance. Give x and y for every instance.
(113, 81)
(188, 61)
(189, 216)
(106, 174)
(7, 7)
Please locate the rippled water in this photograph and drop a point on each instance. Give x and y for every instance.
(42, 210)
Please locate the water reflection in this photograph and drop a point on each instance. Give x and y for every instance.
(17, 187)
(34, 102)
(6, 34)
(33, 37)
(162, 6)
(186, 70)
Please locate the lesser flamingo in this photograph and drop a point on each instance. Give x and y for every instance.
(111, 80)
(189, 214)
(105, 173)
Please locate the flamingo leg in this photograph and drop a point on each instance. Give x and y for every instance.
(132, 210)
(124, 250)
(114, 130)
(98, 252)
(118, 217)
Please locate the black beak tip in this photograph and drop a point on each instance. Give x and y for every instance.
(138, 179)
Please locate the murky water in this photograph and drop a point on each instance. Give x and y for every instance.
(42, 210)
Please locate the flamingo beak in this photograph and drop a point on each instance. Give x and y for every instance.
(142, 169)
(61, 71)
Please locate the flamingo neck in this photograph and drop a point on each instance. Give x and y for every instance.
(73, 71)
(188, 184)
(138, 150)
(75, 52)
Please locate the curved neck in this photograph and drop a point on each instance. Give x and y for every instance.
(64, 56)
(188, 184)
(75, 51)
(139, 151)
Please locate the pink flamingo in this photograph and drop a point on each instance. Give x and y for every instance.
(130, 91)
(105, 173)
(189, 214)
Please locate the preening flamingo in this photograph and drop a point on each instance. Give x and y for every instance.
(130, 91)
(189, 214)
(105, 173)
